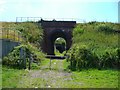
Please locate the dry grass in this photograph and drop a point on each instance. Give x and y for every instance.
(7, 32)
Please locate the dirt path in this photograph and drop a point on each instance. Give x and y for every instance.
(46, 78)
(58, 78)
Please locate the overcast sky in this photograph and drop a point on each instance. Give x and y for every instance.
(81, 10)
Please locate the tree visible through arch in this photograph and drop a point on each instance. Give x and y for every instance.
(59, 46)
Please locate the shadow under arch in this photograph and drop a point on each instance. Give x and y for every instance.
(56, 34)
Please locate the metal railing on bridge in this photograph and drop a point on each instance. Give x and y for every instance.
(36, 19)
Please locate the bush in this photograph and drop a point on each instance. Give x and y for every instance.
(93, 48)
(111, 58)
(32, 36)
(82, 57)
(105, 28)
(78, 30)
(31, 32)
(16, 59)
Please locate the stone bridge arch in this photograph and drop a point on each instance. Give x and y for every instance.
(54, 30)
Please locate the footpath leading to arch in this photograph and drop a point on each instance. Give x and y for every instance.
(45, 78)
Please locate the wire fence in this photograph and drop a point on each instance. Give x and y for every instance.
(36, 19)
(10, 34)
(27, 19)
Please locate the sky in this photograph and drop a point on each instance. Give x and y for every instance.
(79, 10)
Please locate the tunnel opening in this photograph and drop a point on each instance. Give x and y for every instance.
(53, 30)
(59, 46)
(58, 35)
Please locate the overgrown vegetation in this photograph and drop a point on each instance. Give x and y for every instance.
(31, 35)
(23, 53)
(31, 32)
(95, 45)
(60, 46)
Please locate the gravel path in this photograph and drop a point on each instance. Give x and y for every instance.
(46, 78)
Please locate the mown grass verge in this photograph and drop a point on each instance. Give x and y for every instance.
(11, 77)
(92, 78)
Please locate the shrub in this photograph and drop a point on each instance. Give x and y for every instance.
(92, 22)
(16, 57)
(111, 58)
(93, 48)
(31, 32)
(105, 28)
(78, 30)
(82, 57)
(32, 36)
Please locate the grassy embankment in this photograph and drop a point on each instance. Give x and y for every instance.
(59, 76)
(7, 31)
(95, 45)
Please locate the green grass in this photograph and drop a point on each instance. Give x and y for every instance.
(92, 38)
(28, 32)
(11, 77)
(100, 44)
(96, 78)
(60, 76)
(43, 78)
(0, 74)
(11, 35)
(57, 53)
(8, 31)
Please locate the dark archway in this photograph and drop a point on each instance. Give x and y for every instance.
(56, 34)
(53, 30)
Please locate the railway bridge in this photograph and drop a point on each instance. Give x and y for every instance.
(53, 30)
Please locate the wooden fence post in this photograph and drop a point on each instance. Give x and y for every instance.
(30, 60)
(24, 58)
(50, 64)
(21, 57)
